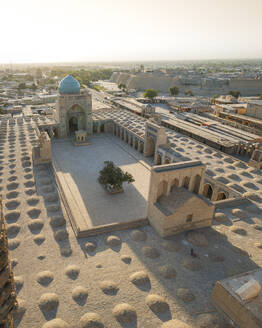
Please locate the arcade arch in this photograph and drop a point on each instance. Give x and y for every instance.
(221, 195)
(208, 191)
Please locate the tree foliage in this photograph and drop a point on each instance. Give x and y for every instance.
(150, 93)
(113, 176)
(85, 77)
(22, 86)
(174, 91)
(235, 94)
(122, 86)
(214, 97)
(189, 93)
(260, 97)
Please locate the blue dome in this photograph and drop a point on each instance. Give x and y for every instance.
(69, 85)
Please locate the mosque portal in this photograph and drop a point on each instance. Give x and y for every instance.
(73, 108)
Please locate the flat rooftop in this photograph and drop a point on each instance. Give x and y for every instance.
(77, 169)
(244, 313)
(243, 117)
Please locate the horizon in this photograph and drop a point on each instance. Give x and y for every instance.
(132, 61)
(115, 31)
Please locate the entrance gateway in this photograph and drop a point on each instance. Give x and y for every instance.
(73, 125)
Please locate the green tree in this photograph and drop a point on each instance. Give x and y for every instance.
(150, 93)
(122, 86)
(33, 87)
(260, 97)
(235, 94)
(174, 91)
(189, 93)
(113, 176)
(213, 98)
(22, 86)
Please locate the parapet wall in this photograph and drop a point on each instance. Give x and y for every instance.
(162, 83)
(245, 84)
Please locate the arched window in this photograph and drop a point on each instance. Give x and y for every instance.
(174, 185)
(141, 147)
(208, 191)
(221, 195)
(162, 189)
(186, 181)
(158, 159)
(136, 144)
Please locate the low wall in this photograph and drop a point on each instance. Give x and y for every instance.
(240, 201)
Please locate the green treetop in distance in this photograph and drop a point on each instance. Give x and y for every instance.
(189, 93)
(214, 97)
(122, 86)
(174, 91)
(22, 86)
(150, 93)
(235, 94)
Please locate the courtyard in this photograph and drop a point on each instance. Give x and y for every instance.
(77, 169)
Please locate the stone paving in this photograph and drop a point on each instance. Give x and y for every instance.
(78, 168)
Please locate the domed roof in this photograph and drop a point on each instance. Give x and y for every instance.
(69, 85)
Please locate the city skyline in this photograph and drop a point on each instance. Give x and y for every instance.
(109, 31)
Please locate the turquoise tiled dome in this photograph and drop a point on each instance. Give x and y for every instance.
(69, 85)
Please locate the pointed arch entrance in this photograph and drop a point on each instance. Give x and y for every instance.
(73, 125)
(76, 119)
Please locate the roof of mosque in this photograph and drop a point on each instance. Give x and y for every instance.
(69, 85)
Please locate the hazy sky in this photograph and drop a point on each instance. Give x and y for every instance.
(106, 30)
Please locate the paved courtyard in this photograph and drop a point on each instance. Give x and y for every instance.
(78, 169)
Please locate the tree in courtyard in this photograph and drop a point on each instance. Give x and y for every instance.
(189, 93)
(174, 91)
(112, 177)
(235, 94)
(150, 94)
